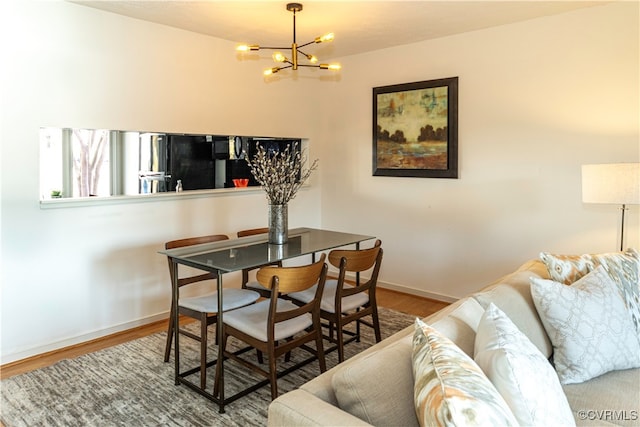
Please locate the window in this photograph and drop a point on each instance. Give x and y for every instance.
(78, 163)
(75, 162)
(90, 160)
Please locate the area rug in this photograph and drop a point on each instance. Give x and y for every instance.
(130, 385)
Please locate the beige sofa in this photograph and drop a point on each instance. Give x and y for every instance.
(376, 386)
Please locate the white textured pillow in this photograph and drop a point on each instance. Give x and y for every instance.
(589, 326)
(523, 376)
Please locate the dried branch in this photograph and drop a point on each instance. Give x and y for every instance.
(278, 172)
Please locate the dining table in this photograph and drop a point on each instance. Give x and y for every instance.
(249, 252)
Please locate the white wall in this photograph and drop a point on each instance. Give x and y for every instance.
(537, 100)
(75, 273)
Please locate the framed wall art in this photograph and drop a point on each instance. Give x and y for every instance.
(415, 129)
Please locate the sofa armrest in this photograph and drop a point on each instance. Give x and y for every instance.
(300, 408)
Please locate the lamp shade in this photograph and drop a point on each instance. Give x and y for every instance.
(614, 183)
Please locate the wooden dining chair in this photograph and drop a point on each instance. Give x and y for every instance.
(254, 285)
(275, 326)
(343, 303)
(203, 308)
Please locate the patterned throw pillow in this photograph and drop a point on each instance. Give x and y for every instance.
(449, 388)
(567, 268)
(508, 359)
(622, 267)
(588, 325)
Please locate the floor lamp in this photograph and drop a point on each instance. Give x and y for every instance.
(612, 183)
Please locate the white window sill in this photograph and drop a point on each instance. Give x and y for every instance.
(73, 202)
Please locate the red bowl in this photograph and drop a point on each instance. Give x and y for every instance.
(241, 182)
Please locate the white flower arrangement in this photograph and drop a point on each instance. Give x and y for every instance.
(278, 172)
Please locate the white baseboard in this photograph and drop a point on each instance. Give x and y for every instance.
(417, 292)
(79, 339)
(410, 291)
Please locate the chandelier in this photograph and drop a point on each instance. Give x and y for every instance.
(295, 50)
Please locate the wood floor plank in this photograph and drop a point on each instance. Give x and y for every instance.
(409, 304)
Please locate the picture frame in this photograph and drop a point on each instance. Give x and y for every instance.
(415, 129)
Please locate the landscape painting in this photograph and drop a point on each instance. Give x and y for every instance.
(415, 129)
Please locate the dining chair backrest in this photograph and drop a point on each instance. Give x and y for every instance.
(190, 241)
(356, 261)
(173, 244)
(253, 231)
(291, 279)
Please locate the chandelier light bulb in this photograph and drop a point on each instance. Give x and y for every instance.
(247, 47)
(334, 67)
(312, 59)
(270, 71)
(278, 57)
(326, 38)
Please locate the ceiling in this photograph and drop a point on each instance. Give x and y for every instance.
(359, 26)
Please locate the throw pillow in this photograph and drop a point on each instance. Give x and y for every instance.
(567, 268)
(523, 376)
(622, 267)
(449, 388)
(588, 325)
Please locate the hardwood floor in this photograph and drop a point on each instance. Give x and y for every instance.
(406, 303)
(410, 304)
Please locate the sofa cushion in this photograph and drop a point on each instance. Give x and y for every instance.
(513, 296)
(450, 389)
(508, 359)
(610, 398)
(622, 267)
(322, 385)
(460, 324)
(378, 389)
(589, 326)
(292, 409)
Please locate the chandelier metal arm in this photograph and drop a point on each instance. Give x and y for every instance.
(274, 48)
(307, 44)
(303, 53)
